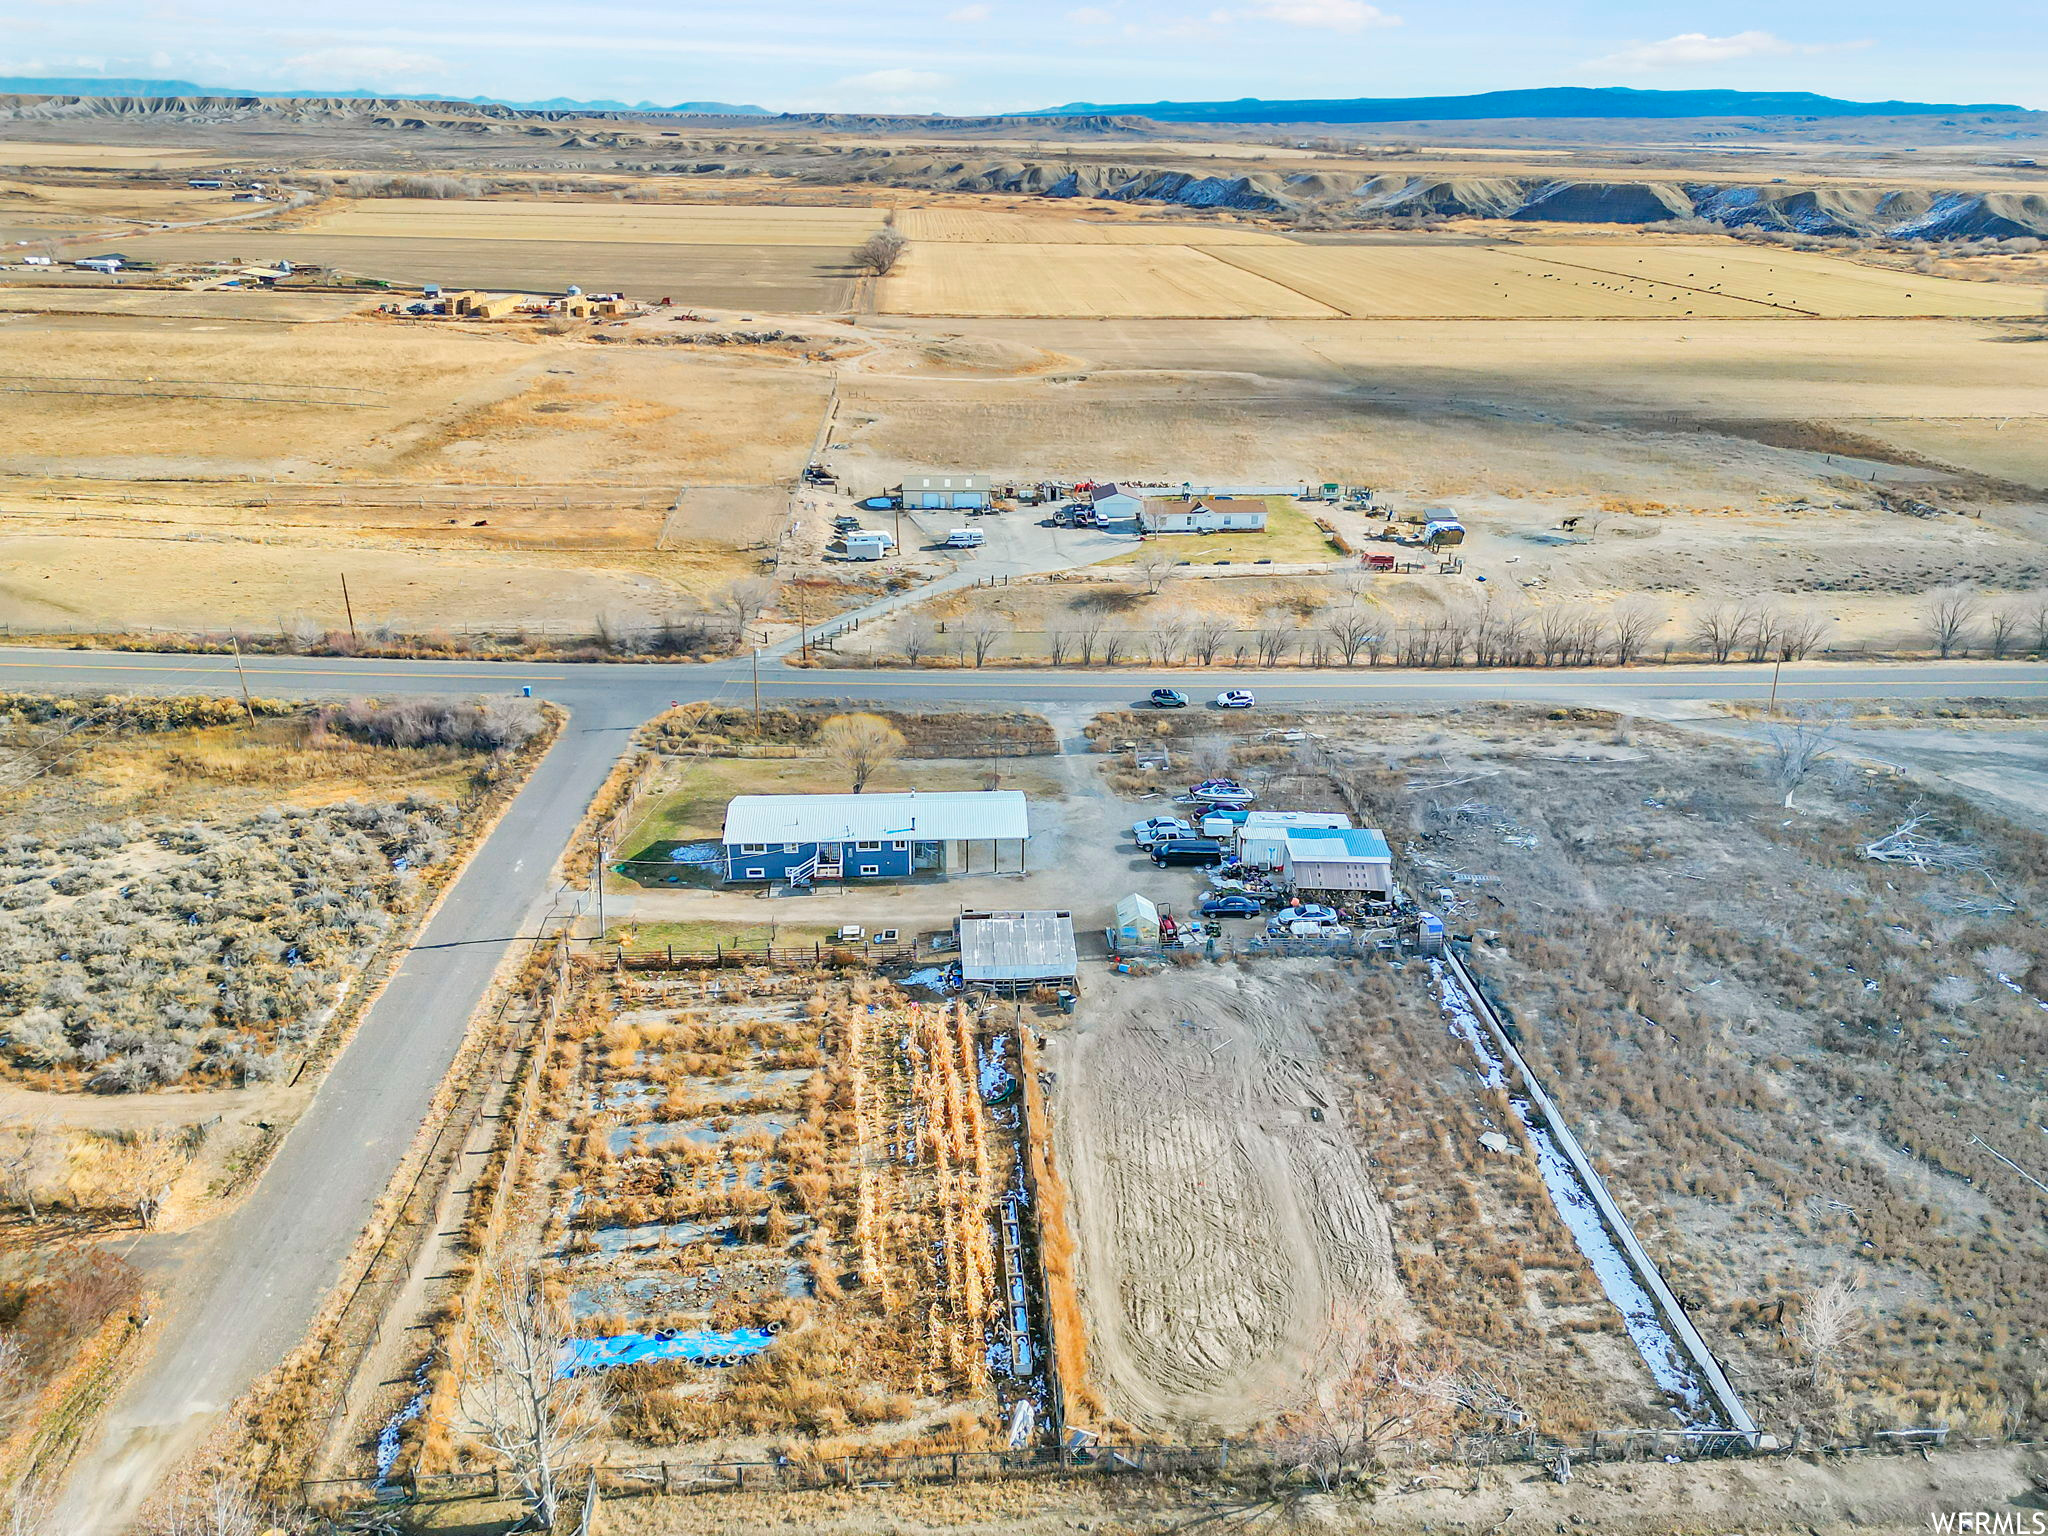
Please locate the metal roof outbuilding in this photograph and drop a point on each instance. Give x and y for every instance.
(1017, 949)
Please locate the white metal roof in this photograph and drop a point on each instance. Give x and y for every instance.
(1273, 821)
(1016, 946)
(928, 817)
(946, 482)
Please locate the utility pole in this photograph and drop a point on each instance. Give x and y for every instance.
(243, 677)
(1776, 667)
(349, 608)
(757, 690)
(597, 880)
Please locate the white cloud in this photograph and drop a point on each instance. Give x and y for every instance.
(971, 13)
(1091, 16)
(359, 68)
(1689, 49)
(888, 90)
(1328, 15)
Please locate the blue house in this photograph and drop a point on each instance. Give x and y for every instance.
(802, 839)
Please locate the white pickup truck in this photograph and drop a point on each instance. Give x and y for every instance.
(1159, 828)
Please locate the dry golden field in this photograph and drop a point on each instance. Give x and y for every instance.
(21, 152)
(942, 278)
(601, 223)
(981, 226)
(1813, 284)
(1393, 281)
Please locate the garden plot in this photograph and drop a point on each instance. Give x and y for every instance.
(775, 1205)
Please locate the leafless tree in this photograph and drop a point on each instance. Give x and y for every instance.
(1088, 636)
(1950, 614)
(1348, 629)
(1206, 636)
(1954, 993)
(2003, 628)
(1169, 639)
(862, 745)
(982, 636)
(1113, 644)
(1156, 565)
(879, 254)
(2003, 963)
(1830, 1322)
(2037, 621)
(15, 1387)
(25, 1146)
(1630, 624)
(1799, 745)
(541, 1424)
(743, 601)
(919, 636)
(1274, 637)
(1796, 633)
(1057, 643)
(1719, 630)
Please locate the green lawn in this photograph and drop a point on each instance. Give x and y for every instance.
(1290, 536)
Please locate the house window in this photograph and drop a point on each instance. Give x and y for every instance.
(899, 845)
(792, 847)
(753, 847)
(871, 869)
(868, 847)
(757, 874)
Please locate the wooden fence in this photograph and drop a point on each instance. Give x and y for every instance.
(726, 956)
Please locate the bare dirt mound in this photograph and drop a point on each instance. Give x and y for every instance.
(1222, 1208)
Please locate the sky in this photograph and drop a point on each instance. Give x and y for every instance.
(968, 56)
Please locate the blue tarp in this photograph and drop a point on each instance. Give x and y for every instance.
(701, 1344)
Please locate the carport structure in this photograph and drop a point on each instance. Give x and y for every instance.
(1016, 951)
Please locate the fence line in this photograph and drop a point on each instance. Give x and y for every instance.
(1166, 1459)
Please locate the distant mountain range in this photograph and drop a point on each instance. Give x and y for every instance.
(1551, 102)
(92, 85)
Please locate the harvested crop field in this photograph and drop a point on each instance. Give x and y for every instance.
(980, 226)
(942, 278)
(604, 223)
(1823, 286)
(1225, 1216)
(1397, 282)
(789, 279)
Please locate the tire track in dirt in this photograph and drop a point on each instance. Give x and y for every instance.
(1220, 1222)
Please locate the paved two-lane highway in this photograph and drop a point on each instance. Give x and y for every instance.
(252, 1282)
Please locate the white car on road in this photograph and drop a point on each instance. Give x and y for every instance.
(1159, 829)
(1234, 698)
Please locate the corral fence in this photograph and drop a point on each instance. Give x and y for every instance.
(1148, 1460)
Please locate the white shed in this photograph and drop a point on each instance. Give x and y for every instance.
(1262, 839)
(1113, 504)
(1137, 923)
(1338, 859)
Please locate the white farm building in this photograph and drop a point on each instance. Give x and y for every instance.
(1338, 859)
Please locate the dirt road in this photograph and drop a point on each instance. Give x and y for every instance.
(1221, 1207)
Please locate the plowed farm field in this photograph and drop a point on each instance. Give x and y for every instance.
(977, 226)
(1224, 1210)
(1131, 281)
(607, 223)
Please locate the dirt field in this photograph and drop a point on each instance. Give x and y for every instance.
(951, 278)
(1223, 1230)
(782, 279)
(579, 223)
(980, 226)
